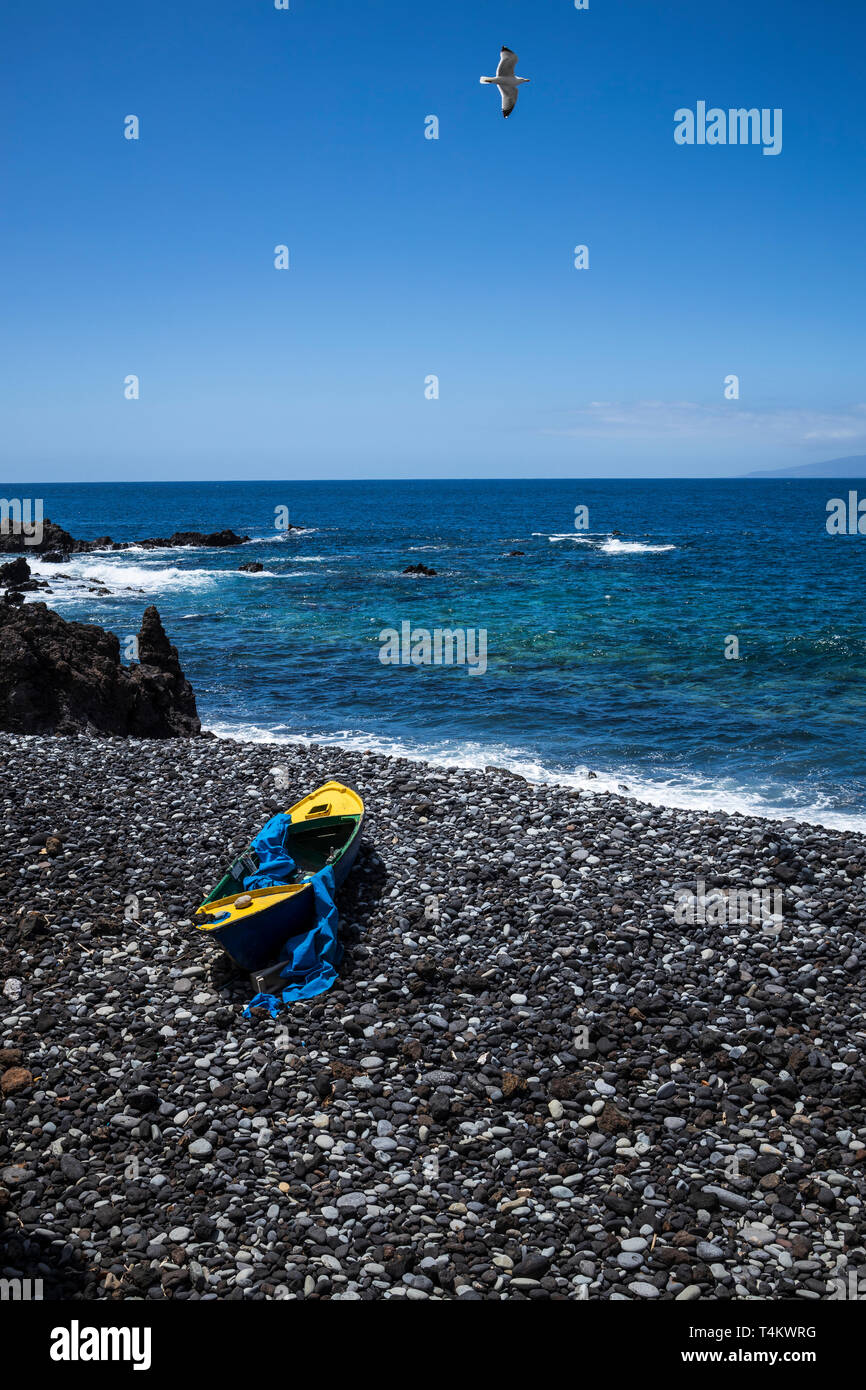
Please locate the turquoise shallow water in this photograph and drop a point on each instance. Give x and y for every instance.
(605, 647)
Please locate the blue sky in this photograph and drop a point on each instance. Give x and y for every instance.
(412, 257)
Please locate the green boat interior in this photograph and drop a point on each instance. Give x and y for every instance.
(311, 843)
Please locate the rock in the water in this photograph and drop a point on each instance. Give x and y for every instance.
(54, 542)
(16, 578)
(419, 569)
(14, 573)
(194, 538)
(50, 537)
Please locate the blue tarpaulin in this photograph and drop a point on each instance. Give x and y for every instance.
(276, 865)
(311, 958)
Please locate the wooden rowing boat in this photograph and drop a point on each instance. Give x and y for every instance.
(253, 925)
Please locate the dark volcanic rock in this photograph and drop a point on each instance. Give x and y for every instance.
(213, 538)
(55, 543)
(498, 1100)
(14, 1080)
(60, 677)
(419, 569)
(14, 573)
(52, 538)
(252, 567)
(16, 578)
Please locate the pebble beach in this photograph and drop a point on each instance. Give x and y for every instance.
(529, 1082)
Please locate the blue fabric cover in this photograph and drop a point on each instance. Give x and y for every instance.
(311, 958)
(276, 865)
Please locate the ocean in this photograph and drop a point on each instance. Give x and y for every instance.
(701, 642)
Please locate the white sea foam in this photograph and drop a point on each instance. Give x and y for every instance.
(156, 550)
(69, 580)
(118, 576)
(617, 547)
(274, 574)
(686, 792)
(609, 545)
(271, 574)
(281, 536)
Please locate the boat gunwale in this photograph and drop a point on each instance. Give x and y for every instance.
(295, 829)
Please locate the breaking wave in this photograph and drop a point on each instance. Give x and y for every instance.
(688, 792)
(607, 544)
(149, 579)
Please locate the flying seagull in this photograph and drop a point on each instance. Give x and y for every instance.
(506, 81)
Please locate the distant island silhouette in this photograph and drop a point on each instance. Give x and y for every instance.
(852, 466)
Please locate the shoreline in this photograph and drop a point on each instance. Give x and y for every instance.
(529, 1081)
(522, 764)
(824, 791)
(681, 790)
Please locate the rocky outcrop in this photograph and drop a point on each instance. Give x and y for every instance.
(55, 543)
(213, 539)
(419, 569)
(252, 567)
(14, 573)
(15, 577)
(51, 538)
(58, 677)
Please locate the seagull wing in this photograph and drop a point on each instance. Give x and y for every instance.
(509, 98)
(507, 63)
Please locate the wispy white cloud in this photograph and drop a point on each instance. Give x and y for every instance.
(726, 422)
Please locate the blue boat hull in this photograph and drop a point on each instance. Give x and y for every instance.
(262, 946)
(328, 836)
